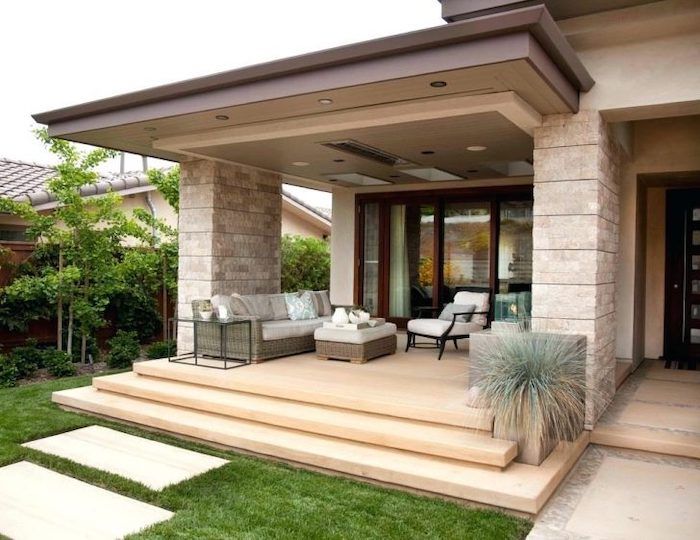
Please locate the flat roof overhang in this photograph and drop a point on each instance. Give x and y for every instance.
(519, 51)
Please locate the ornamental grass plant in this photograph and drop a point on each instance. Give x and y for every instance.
(535, 385)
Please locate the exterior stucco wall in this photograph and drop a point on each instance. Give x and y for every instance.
(294, 225)
(129, 203)
(343, 247)
(644, 60)
(655, 273)
(668, 145)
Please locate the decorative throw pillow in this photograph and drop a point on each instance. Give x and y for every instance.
(451, 309)
(279, 307)
(257, 305)
(322, 302)
(300, 307)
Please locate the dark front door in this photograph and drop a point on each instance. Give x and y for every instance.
(682, 312)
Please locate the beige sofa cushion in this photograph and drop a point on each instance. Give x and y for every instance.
(256, 305)
(279, 307)
(273, 330)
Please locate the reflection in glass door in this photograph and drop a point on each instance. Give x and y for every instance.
(411, 249)
(370, 257)
(515, 247)
(466, 247)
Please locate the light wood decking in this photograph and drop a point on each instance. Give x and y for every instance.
(400, 420)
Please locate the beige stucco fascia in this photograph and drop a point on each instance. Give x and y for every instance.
(508, 104)
(645, 60)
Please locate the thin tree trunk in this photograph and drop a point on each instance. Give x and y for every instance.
(83, 349)
(165, 300)
(59, 311)
(69, 343)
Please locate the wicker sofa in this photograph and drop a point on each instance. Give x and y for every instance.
(273, 334)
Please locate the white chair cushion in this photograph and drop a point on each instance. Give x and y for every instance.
(357, 337)
(436, 327)
(479, 299)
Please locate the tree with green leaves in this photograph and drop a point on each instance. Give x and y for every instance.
(88, 234)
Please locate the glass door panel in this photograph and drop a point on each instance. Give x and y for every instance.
(370, 257)
(466, 245)
(411, 252)
(515, 247)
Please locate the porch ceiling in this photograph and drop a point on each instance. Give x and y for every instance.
(446, 137)
(520, 53)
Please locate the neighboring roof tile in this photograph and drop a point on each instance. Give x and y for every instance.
(18, 178)
(323, 213)
(28, 182)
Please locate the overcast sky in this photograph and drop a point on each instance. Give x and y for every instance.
(56, 54)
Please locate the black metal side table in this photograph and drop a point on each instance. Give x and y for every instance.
(217, 343)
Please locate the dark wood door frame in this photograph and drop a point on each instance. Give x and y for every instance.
(492, 195)
(679, 276)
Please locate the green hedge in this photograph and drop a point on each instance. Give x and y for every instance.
(306, 263)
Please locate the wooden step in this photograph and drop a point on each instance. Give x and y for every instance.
(519, 487)
(661, 441)
(433, 439)
(265, 379)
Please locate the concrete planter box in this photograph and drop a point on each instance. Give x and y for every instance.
(532, 453)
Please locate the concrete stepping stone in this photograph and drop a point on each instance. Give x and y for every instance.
(37, 503)
(154, 464)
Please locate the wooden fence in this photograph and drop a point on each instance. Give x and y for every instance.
(44, 331)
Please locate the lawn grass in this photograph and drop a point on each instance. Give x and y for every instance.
(249, 497)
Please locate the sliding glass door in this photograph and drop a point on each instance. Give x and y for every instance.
(411, 255)
(419, 250)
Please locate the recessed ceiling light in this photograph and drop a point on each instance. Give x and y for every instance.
(300, 163)
(149, 128)
(325, 101)
(438, 84)
(477, 148)
(339, 160)
(221, 117)
(428, 152)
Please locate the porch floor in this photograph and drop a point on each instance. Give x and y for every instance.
(398, 420)
(656, 410)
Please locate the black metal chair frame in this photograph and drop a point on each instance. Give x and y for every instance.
(441, 340)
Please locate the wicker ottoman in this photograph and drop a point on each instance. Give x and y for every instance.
(358, 346)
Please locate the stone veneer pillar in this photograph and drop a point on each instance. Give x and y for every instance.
(229, 232)
(575, 241)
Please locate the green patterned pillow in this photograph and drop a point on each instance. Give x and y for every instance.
(300, 307)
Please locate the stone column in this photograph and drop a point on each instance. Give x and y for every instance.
(575, 241)
(229, 233)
